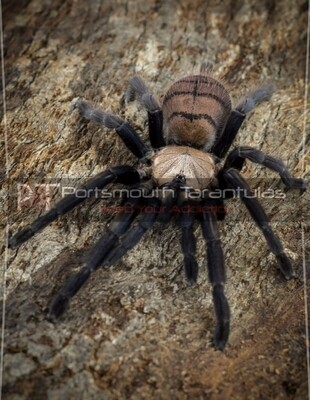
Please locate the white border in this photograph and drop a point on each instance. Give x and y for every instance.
(302, 224)
(5, 264)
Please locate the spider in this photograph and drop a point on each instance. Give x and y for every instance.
(200, 125)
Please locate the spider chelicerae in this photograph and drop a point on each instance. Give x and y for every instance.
(190, 134)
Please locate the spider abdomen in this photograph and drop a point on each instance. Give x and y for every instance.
(196, 166)
(196, 109)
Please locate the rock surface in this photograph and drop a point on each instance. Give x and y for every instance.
(138, 330)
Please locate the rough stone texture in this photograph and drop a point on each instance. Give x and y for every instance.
(138, 331)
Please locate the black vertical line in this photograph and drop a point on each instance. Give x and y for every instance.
(195, 92)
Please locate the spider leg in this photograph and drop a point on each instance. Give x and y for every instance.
(215, 205)
(237, 157)
(123, 129)
(137, 88)
(237, 116)
(216, 270)
(169, 195)
(96, 255)
(122, 174)
(188, 243)
(236, 182)
(145, 221)
(232, 127)
(255, 97)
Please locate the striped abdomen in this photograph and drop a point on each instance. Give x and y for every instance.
(196, 109)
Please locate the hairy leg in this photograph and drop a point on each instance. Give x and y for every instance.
(247, 104)
(125, 131)
(145, 222)
(237, 157)
(94, 259)
(169, 197)
(138, 89)
(217, 277)
(236, 182)
(188, 242)
(122, 174)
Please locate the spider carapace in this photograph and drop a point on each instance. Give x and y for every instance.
(190, 135)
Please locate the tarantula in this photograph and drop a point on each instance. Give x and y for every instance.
(200, 126)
